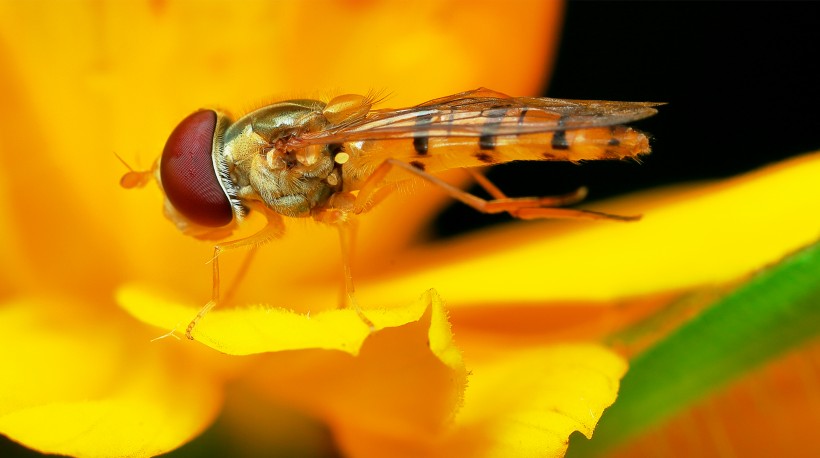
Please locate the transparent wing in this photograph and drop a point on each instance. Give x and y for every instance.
(479, 112)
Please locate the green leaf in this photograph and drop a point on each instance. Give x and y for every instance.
(774, 312)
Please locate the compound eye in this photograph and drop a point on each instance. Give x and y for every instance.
(188, 175)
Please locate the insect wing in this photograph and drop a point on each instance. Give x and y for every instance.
(469, 114)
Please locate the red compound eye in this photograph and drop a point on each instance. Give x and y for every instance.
(188, 175)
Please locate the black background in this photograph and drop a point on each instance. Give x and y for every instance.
(740, 79)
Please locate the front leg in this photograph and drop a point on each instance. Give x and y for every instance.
(273, 229)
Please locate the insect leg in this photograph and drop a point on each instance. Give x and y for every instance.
(347, 240)
(347, 236)
(486, 184)
(557, 201)
(273, 229)
(370, 188)
(519, 207)
(240, 274)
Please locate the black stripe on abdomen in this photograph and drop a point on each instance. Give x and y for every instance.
(559, 140)
(486, 142)
(559, 137)
(420, 144)
(421, 141)
(487, 139)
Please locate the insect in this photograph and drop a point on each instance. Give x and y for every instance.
(334, 160)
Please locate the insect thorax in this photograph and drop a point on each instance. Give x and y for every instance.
(264, 168)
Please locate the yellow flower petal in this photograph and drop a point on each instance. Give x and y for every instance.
(527, 403)
(80, 389)
(123, 99)
(401, 390)
(243, 331)
(524, 404)
(689, 236)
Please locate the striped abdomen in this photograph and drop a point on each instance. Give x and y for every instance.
(436, 154)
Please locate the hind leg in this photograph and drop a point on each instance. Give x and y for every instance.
(519, 207)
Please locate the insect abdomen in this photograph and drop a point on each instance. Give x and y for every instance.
(571, 145)
(436, 154)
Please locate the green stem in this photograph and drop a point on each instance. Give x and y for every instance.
(777, 310)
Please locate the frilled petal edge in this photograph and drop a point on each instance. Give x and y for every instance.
(529, 402)
(261, 329)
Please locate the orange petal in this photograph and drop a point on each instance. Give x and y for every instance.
(773, 411)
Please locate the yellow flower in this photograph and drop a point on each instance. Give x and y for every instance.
(84, 81)
(499, 370)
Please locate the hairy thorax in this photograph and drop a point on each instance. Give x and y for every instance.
(290, 182)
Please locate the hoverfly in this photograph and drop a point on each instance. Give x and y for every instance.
(334, 160)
